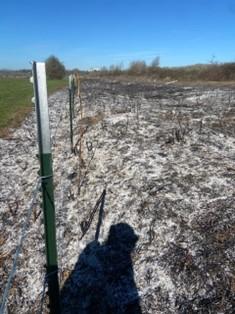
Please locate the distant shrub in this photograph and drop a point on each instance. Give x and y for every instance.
(55, 69)
(115, 69)
(137, 67)
(155, 63)
(228, 70)
(213, 71)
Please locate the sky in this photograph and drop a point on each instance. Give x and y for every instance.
(89, 34)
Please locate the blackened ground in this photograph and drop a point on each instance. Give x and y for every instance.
(165, 155)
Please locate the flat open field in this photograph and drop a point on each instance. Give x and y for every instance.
(15, 100)
(166, 156)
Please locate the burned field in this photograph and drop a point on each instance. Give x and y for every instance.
(165, 155)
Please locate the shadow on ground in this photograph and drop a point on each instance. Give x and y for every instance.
(102, 281)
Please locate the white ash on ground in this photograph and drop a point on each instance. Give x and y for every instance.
(165, 155)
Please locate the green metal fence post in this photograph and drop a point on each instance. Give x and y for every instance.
(72, 88)
(41, 104)
(73, 97)
(71, 119)
(71, 109)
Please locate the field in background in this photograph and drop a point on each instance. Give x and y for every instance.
(15, 101)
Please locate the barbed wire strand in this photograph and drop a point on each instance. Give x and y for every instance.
(26, 224)
(19, 247)
(62, 112)
(54, 141)
(88, 167)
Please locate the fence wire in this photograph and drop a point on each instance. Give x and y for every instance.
(19, 247)
(85, 225)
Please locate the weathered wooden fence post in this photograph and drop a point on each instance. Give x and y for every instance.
(41, 104)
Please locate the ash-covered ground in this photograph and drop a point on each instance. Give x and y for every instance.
(165, 155)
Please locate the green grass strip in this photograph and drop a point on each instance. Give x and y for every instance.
(15, 101)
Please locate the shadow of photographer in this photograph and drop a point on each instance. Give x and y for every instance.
(102, 281)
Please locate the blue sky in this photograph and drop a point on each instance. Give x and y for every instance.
(92, 33)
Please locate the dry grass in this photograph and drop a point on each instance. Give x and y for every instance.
(88, 121)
